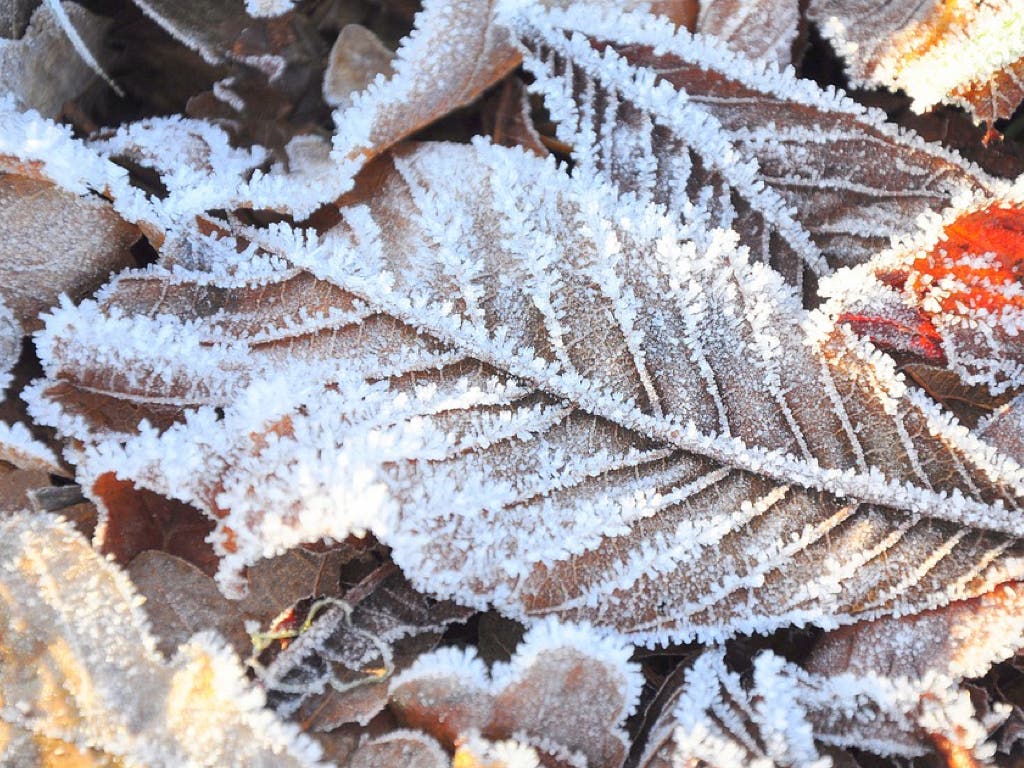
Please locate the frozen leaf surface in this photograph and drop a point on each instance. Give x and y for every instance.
(805, 176)
(455, 51)
(565, 691)
(965, 53)
(42, 258)
(786, 712)
(758, 29)
(950, 296)
(553, 403)
(42, 69)
(79, 664)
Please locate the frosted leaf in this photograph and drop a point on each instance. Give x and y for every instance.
(1005, 429)
(552, 402)
(950, 296)
(36, 148)
(400, 747)
(356, 59)
(968, 54)
(478, 752)
(805, 176)
(80, 664)
(337, 670)
(565, 691)
(960, 640)
(53, 242)
(454, 53)
(41, 69)
(19, 448)
(757, 29)
(210, 29)
(714, 720)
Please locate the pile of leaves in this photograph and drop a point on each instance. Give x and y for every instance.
(509, 383)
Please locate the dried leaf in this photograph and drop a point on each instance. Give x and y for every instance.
(41, 261)
(356, 59)
(181, 600)
(960, 640)
(950, 296)
(787, 712)
(565, 691)
(338, 669)
(805, 176)
(42, 70)
(965, 53)
(593, 419)
(454, 53)
(755, 28)
(79, 664)
(405, 748)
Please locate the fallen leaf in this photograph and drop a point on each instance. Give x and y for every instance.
(80, 664)
(42, 261)
(356, 59)
(806, 177)
(41, 68)
(965, 53)
(643, 477)
(759, 29)
(565, 691)
(786, 713)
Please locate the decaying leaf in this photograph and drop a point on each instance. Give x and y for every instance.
(80, 665)
(42, 68)
(593, 418)
(565, 692)
(786, 713)
(805, 176)
(356, 59)
(965, 53)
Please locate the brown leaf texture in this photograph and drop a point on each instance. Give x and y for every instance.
(807, 178)
(42, 69)
(454, 53)
(960, 640)
(42, 259)
(564, 692)
(338, 669)
(589, 435)
(80, 665)
(964, 53)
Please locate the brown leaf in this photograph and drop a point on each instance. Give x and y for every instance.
(337, 670)
(564, 691)
(455, 52)
(181, 600)
(960, 640)
(133, 520)
(509, 121)
(807, 178)
(41, 259)
(573, 443)
(405, 748)
(965, 53)
(356, 59)
(42, 69)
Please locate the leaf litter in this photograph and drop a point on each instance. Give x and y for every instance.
(703, 350)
